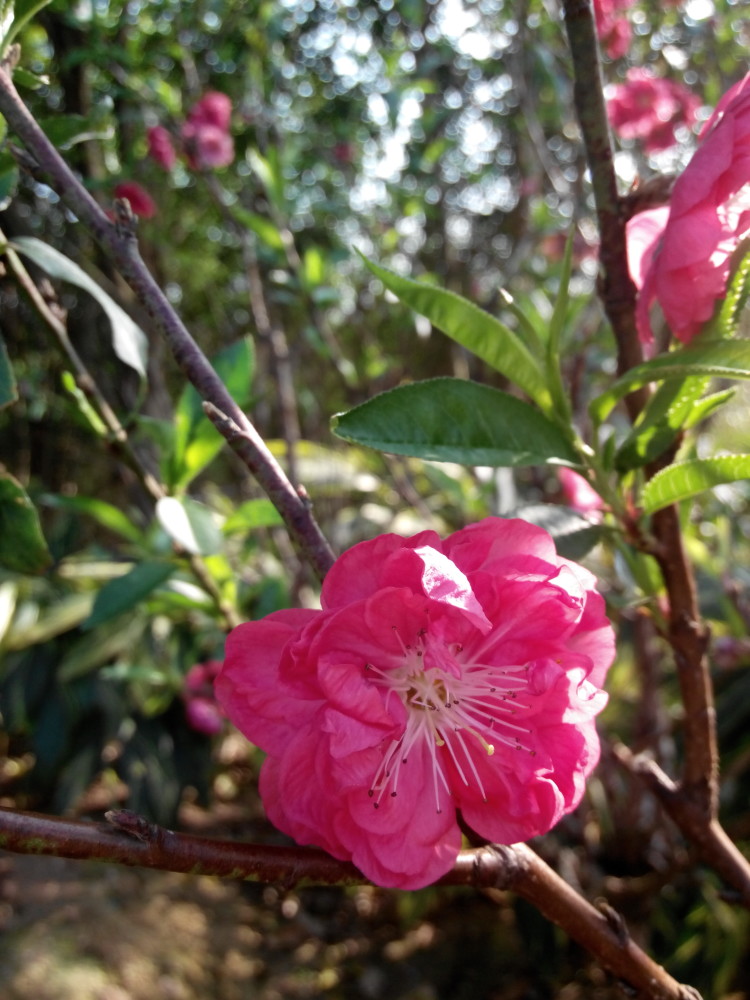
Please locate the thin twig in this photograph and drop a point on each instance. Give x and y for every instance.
(120, 242)
(118, 435)
(129, 839)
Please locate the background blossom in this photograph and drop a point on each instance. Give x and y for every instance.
(439, 676)
(681, 260)
(650, 108)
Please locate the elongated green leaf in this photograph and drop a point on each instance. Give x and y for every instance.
(266, 231)
(251, 515)
(716, 358)
(687, 479)
(15, 16)
(104, 513)
(191, 524)
(474, 329)
(22, 545)
(8, 388)
(196, 441)
(85, 408)
(451, 420)
(126, 591)
(727, 321)
(128, 340)
(662, 420)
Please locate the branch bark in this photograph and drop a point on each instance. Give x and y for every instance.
(119, 240)
(130, 839)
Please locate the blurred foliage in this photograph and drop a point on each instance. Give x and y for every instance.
(438, 140)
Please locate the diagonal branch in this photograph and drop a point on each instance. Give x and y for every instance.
(119, 240)
(129, 839)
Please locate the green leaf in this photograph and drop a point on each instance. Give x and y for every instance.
(686, 479)
(126, 591)
(727, 321)
(191, 524)
(251, 515)
(574, 534)
(14, 17)
(85, 408)
(474, 329)
(22, 545)
(8, 387)
(716, 358)
(197, 442)
(129, 341)
(8, 181)
(104, 513)
(266, 231)
(663, 418)
(65, 614)
(65, 131)
(451, 420)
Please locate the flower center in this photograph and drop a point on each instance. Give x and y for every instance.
(457, 708)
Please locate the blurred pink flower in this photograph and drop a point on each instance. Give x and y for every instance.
(439, 676)
(650, 108)
(141, 202)
(202, 711)
(614, 31)
(160, 147)
(207, 146)
(214, 109)
(578, 492)
(680, 258)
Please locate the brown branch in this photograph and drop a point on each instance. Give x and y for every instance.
(118, 239)
(686, 633)
(129, 839)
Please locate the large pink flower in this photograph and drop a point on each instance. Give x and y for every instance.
(613, 30)
(439, 677)
(650, 108)
(682, 260)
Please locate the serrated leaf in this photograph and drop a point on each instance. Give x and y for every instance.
(663, 418)
(574, 534)
(129, 341)
(8, 387)
(190, 524)
(474, 329)
(687, 479)
(715, 358)
(708, 405)
(127, 591)
(22, 545)
(452, 420)
(735, 298)
(196, 440)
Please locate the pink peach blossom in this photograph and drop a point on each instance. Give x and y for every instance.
(207, 146)
(578, 492)
(439, 677)
(141, 202)
(613, 30)
(650, 108)
(214, 108)
(201, 709)
(681, 260)
(160, 147)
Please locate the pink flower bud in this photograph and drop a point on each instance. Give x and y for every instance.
(160, 147)
(141, 202)
(578, 492)
(207, 146)
(213, 109)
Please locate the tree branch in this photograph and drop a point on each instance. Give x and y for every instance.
(129, 839)
(119, 240)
